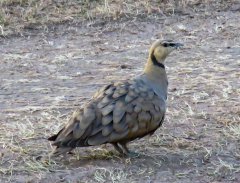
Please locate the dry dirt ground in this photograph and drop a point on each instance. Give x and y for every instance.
(45, 76)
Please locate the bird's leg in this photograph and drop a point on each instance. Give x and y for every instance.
(124, 148)
(116, 146)
(71, 153)
(127, 152)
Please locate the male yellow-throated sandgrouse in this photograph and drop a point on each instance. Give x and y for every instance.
(121, 112)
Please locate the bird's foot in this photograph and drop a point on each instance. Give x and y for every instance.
(119, 149)
(123, 150)
(132, 154)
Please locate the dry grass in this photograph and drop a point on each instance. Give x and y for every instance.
(17, 141)
(110, 175)
(19, 15)
(53, 74)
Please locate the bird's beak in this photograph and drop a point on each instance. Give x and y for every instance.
(178, 45)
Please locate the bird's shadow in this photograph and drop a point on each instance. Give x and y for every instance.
(103, 157)
(106, 158)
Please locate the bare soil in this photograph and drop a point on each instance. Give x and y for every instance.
(45, 76)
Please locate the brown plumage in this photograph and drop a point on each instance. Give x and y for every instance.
(123, 111)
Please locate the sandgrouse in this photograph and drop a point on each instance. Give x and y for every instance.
(122, 111)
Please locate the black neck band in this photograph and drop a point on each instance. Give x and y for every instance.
(155, 62)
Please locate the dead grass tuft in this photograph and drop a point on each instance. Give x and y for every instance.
(110, 175)
(19, 15)
(225, 169)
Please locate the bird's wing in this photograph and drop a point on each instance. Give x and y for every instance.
(117, 112)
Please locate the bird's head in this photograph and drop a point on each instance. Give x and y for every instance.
(161, 49)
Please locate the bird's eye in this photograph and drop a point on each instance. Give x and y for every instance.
(165, 45)
(171, 44)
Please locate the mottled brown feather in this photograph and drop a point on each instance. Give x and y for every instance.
(115, 121)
